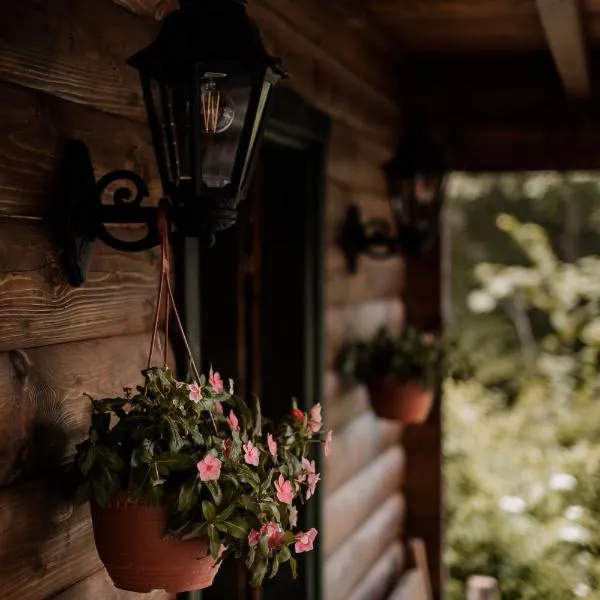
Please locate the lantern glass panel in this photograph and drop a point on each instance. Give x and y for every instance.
(222, 103)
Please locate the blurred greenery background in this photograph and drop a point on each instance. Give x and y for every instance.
(522, 436)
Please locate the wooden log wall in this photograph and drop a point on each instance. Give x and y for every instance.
(62, 74)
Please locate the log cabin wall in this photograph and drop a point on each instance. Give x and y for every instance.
(62, 74)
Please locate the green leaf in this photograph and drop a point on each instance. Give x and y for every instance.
(258, 573)
(284, 554)
(263, 546)
(275, 567)
(214, 541)
(257, 431)
(88, 461)
(250, 503)
(227, 512)
(176, 461)
(215, 491)
(250, 558)
(188, 495)
(197, 531)
(93, 436)
(236, 531)
(208, 510)
(294, 567)
(289, 538)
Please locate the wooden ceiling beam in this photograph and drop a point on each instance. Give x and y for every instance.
(562, 24)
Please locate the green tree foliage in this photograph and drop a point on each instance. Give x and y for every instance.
(523, 437)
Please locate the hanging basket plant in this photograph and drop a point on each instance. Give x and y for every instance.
(400, 372)
(181, 476)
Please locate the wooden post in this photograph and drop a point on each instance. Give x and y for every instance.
(480, 587)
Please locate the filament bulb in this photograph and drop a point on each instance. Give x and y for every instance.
(218, 111)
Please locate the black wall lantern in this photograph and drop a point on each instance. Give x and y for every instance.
(416, 187)
(207, 82)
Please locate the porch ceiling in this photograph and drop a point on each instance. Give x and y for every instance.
(518, 75)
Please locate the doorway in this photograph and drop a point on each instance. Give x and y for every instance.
(265, 330)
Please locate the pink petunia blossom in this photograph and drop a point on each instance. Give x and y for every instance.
(209, 468)
(233, 422)
(251, 454)
(215, 381)
(328, 441)
(274, 534)
(298, 415)
(312, 480)
(305, 540)
(293, 516)
(219, 407)
(253, 538)
(227, 447)
(195, 392)
(316, 421)
(272, 445)
(284, 490)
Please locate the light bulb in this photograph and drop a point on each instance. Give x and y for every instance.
(218, 110)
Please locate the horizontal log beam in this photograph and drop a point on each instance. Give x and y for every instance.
(346, 509)
(354, 560)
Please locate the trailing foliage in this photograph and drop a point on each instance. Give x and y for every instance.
(223, 472)
(410, 355)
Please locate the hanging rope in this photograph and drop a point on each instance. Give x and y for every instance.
(169, 301)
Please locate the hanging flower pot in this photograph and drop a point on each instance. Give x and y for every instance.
(139, 557)
(407, 401)
(181, 475)
(400, 372)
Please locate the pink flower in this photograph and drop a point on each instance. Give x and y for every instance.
(272, 445)
(298, 415)
(227, 446)
(284, 490)
(293, 516)
(328, 441)
(215, 381)
(312, 480)
(195, 392)
(305, 540)
(308, 466)
(231, 387)
(316, 421)
(209, 468)
(253, 538)
(251, 455)
(233, 422)
(219, 407)
(274, 534)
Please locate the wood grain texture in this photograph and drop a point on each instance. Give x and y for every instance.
(356, 444)
(31, 134)
(360, 321)
(46, 544)
(39, 308)
(382, 576)
(76, 50)
(562, 23)
(100, 587)
(349, 506)
(43, 411)
(354, 560)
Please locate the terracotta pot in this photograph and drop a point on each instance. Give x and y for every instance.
(131, 543)
(404, 401)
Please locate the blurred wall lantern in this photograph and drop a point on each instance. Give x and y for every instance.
(416, 179)
(207, 83)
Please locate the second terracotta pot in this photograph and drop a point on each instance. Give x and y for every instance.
(404, 401)
(131, 542)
